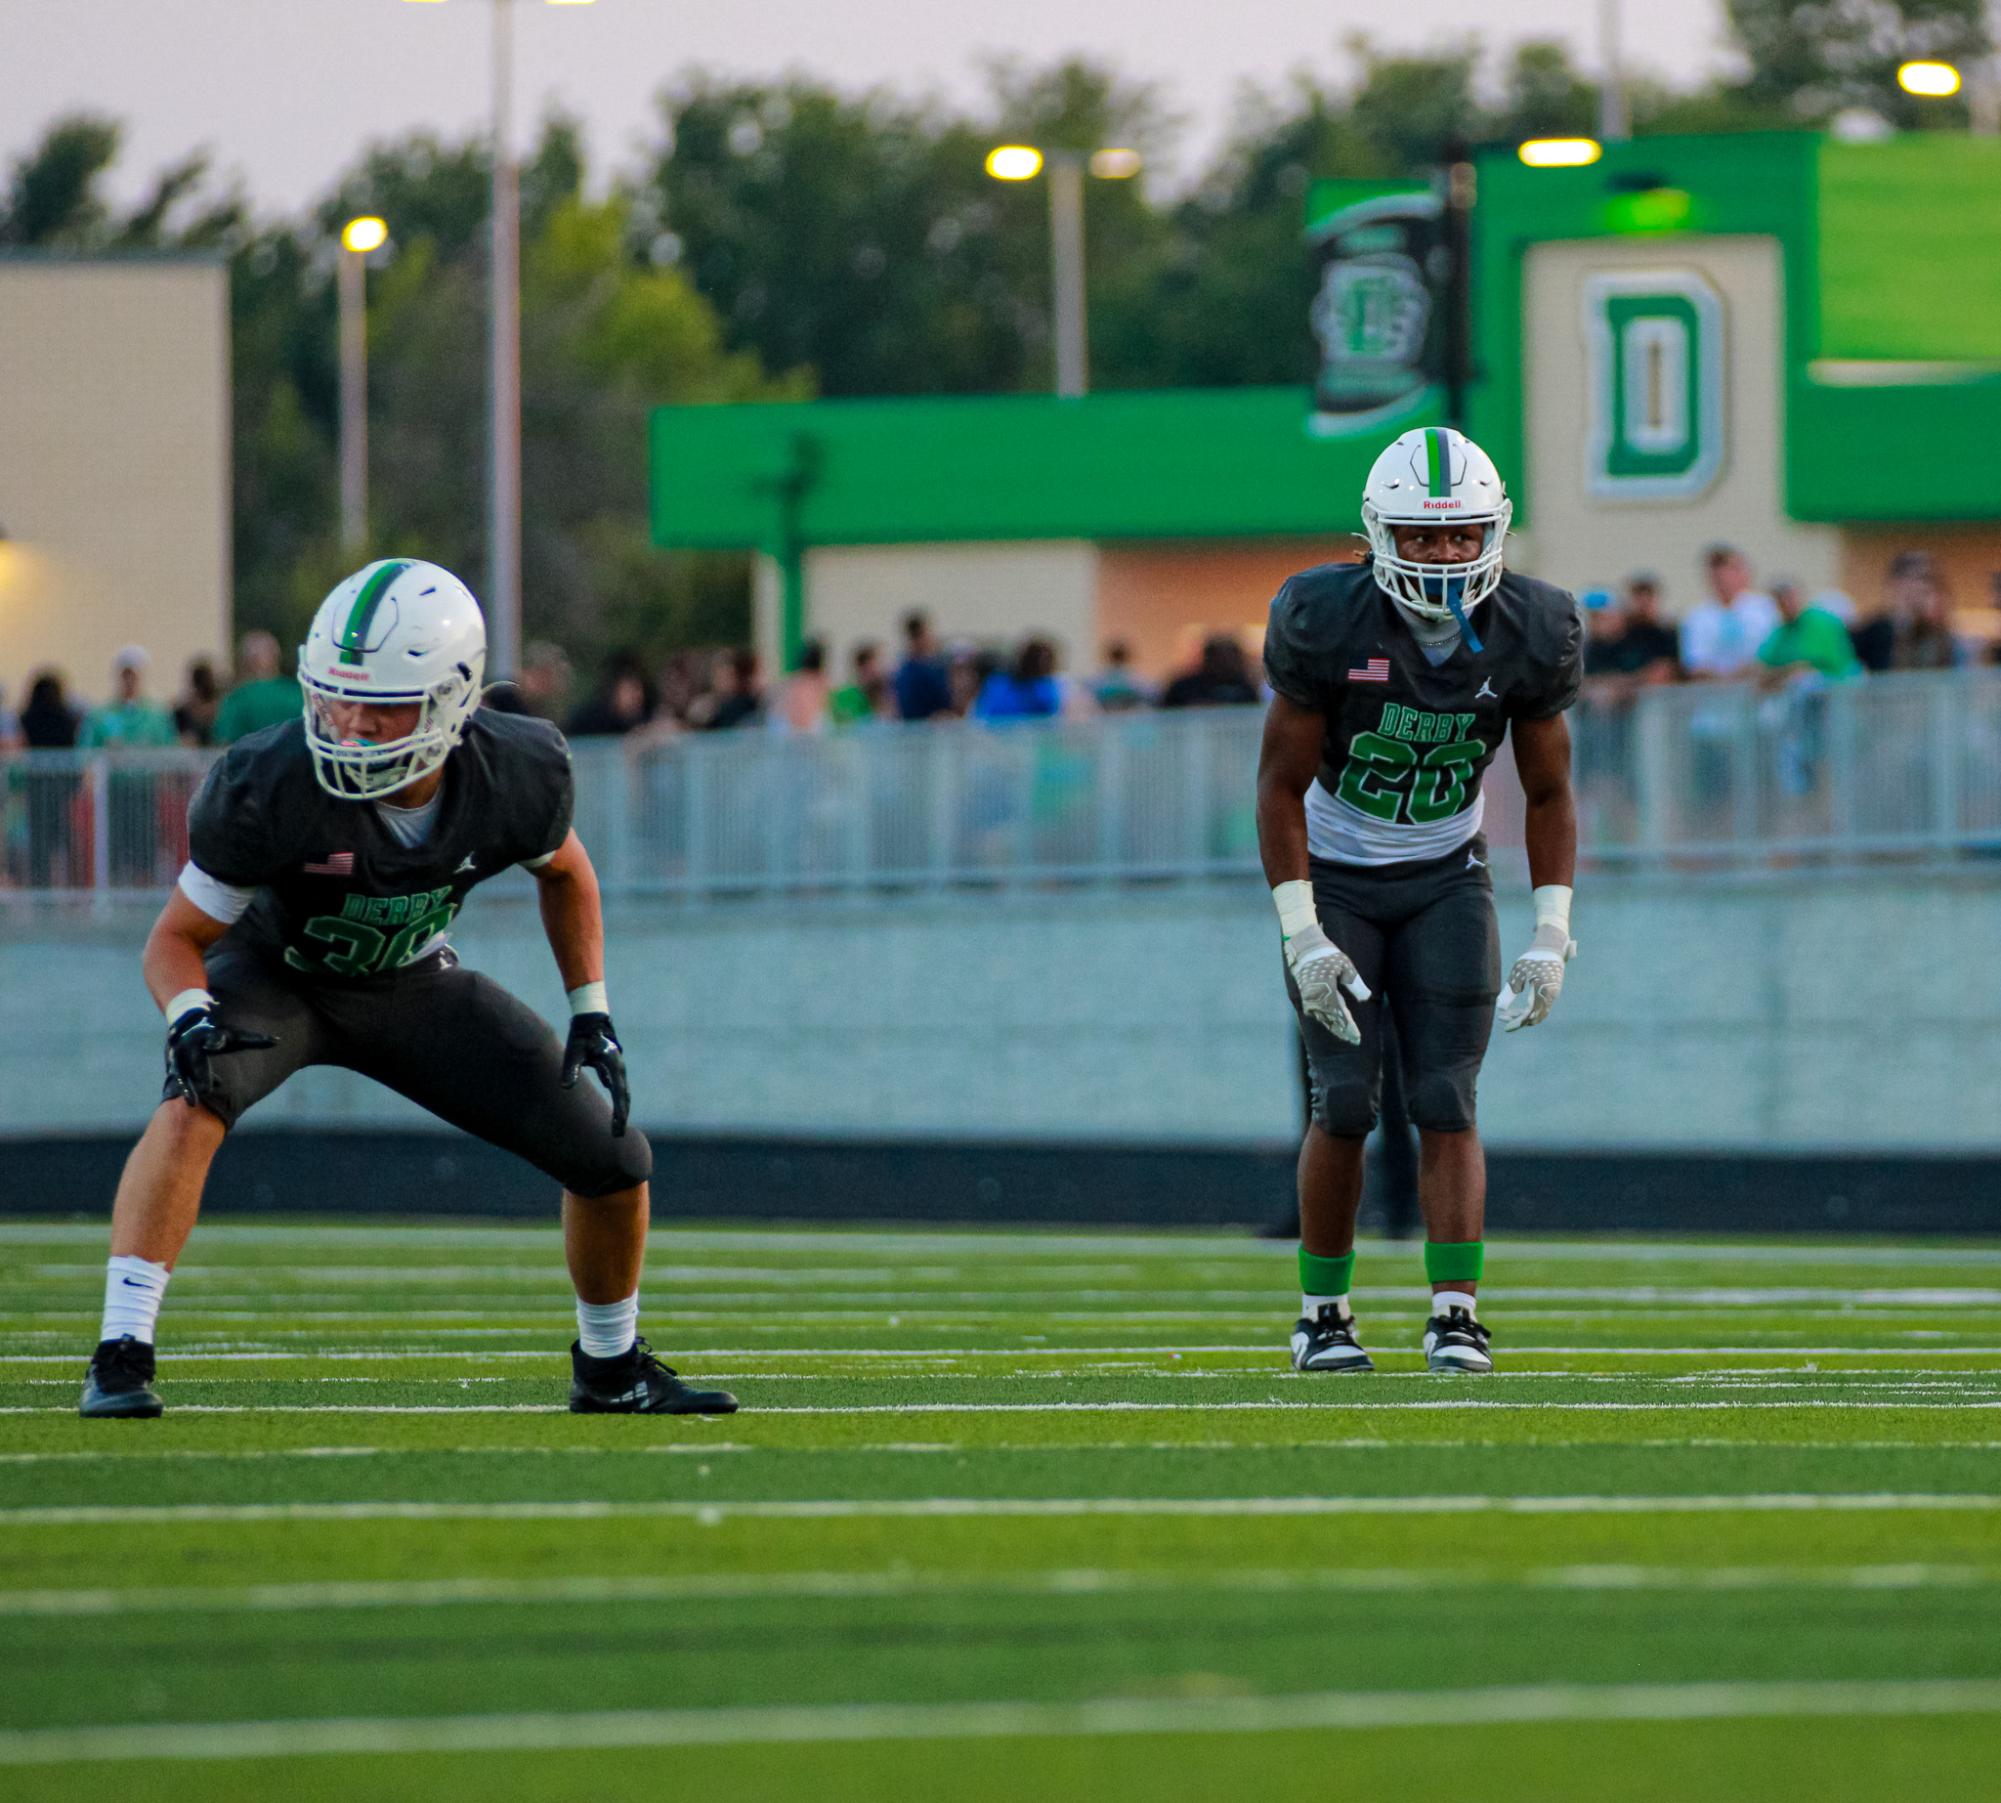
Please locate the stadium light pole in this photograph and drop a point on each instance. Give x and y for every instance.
(503, 511)
(1613, 123)
(358, 237)
(1068, 306)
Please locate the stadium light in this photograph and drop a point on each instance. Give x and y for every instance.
(364, 234)
(1928, 81)
(1014, 162)
(1560, 153)
(1023, 162)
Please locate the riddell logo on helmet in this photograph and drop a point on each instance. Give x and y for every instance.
(1455, 502)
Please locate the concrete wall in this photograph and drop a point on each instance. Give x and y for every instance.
(1580, 539)
(114, 467)
(1829, 1013)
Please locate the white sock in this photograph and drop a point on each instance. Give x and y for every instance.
(1310, 1307)
(1443, 1302)
(606, 1330)
(133, 1291)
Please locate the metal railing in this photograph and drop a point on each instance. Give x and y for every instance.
(1701, 777)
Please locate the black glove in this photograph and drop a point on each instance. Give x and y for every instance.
(593, 1042)
(193, 1039)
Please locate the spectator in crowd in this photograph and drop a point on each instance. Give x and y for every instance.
(802, 696)
(48, 722)
(1913, 631)
(736, 696)
(1221, 679)
(1720, 636)
(1629, 647)
(1027, 689)
(130, 721)
(1118, 689)
(1809, 641)
(620, 702)
(201, 701)
(10, 727)
(866, 696)
(263, 696)
(967, 668)
(541, 689)
(923, 682)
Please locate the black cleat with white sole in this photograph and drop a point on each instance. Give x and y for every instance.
(1327, 1342)
(637, 1383)
(1456, 1341)
(119, 1384)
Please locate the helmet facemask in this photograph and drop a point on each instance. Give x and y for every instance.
(1439, 592)
(361, 770)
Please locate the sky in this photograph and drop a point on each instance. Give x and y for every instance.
(287, 92)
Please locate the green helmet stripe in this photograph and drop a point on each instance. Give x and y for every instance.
(1438, 462)
(353, 637)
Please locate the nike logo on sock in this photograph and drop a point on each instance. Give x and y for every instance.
(138, 1283)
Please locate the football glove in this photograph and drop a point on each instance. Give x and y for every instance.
(1536, 979)
(194, 1037)
(593, 1042)
(1321, 970)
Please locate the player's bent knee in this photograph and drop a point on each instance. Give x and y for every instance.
(1442, 1102)
(1343, 1111)
(628, 1162)
(196, 1129)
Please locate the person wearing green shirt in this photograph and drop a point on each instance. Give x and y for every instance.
(263, 695)
(1809, 640)
(866, 695)
(130, 721)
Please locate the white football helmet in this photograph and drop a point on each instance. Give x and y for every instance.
(1427, 477)
(396, 632)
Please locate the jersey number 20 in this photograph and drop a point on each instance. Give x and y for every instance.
(1389, 780)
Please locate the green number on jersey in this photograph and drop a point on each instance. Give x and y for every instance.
(1388, 780)
(365, 951)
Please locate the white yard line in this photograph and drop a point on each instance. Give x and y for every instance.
(866, 1722)
(981, 1507)
(434, 1593)
(1322, 1401)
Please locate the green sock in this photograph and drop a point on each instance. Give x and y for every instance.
(1325, 1276)
(1454, 1261)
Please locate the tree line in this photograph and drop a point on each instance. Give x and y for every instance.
(786, 239)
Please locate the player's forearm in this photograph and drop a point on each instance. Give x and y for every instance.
(1549, 827)
(171, 964)
(1282, 833)
(573, 919)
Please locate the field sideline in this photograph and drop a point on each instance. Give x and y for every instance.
(1006, 1515)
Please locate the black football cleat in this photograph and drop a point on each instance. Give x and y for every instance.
(1455, 1341)
(119, 1383)
(1327, 1342)
(637, 1383)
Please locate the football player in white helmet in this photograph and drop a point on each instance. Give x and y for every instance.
(1395, 681)
(328, 857)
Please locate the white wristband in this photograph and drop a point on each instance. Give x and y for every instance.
(1296, 911)
(1552, 907)
(186, 1000)
(589, 998)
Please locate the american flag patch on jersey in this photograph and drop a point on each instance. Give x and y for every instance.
(338, 863)
(1377, 669)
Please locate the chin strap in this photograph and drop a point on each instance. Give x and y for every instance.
(1466, 631)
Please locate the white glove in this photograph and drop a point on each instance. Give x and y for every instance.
(1537, 977)
(1320, 968)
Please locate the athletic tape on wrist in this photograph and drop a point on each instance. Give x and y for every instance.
(1552, 906)
(589, 998)
(186, 1002)
(1294, 901)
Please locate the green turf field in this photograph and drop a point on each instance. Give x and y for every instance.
(1012, 1516)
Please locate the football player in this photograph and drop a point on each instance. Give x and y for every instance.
(328, 858)
(1395, 680)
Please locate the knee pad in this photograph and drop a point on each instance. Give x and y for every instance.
(621, 1163)
(1442, 1101)
(1344, 1110)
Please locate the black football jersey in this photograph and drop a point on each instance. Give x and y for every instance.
(337, 895)
(1408, 741)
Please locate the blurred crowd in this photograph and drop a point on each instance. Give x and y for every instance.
(209, 710)
(922, 678)
(1778, 634)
